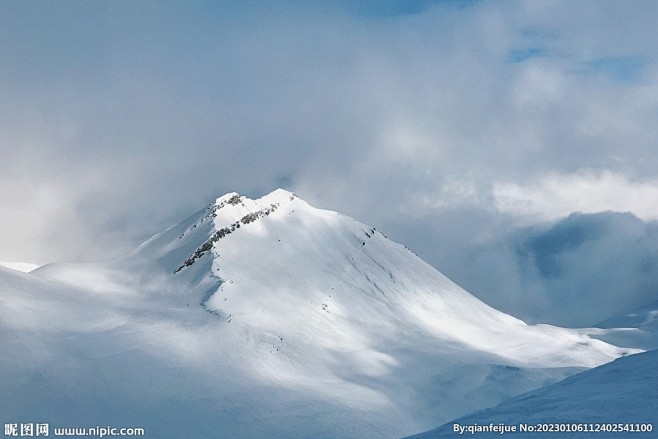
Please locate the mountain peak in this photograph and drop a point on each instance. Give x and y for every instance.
(232, 211)
(235, 205)
(277, 252)
(234, 198)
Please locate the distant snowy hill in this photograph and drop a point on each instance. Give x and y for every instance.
(622, 392)
(25, 267)
(645, 318)
(637, 329)
(267, 318)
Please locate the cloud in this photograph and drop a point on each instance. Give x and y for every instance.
(577, 271)
(623, 69)
(557, 195)
(396, 8)
(520, 55)
(120, 119)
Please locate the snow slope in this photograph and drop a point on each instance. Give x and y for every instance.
(645, 318)
(25, 267)
(623, 391)
(637, 329)
(266, 318)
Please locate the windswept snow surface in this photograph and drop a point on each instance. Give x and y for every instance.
(637, 329)
(644, 318)
(266, 318)
(622, 392)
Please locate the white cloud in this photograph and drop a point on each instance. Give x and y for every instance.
(557, 195)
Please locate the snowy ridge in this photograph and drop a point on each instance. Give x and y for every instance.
(219, 234)
(645, 318)
(318, 326)
(637, 329)
(623, 391)
(249, 209)
(25, 267)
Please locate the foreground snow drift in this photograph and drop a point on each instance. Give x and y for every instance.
(622, 393)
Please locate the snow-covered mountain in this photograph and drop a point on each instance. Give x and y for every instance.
(622, 392)
(617, 396)
(267, 318)
(637, 329)
(645, 318)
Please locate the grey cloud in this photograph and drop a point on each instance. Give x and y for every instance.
(577, 271)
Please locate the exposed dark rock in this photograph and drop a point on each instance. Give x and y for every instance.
(221, 233)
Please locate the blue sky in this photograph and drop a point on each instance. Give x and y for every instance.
(453, 126)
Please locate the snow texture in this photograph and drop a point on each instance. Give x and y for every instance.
(267, 318)
(623, 391)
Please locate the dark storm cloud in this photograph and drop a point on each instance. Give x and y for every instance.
(428, 119)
